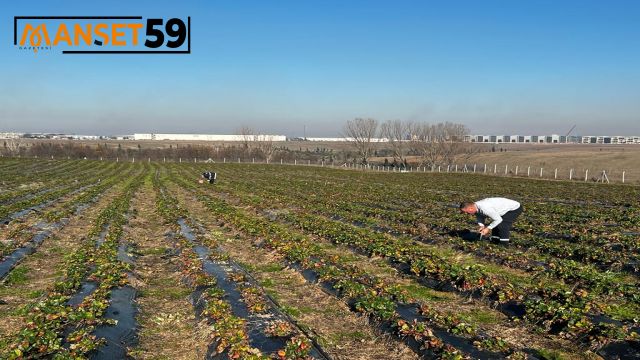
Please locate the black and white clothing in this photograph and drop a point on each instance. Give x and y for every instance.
(210, 176)
(503, 212)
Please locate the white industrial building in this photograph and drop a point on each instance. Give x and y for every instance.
(343, 139)
(208, 137)
(551, 139)
(611, 139)
(10, 135)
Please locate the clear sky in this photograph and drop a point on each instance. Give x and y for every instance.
(499, 66)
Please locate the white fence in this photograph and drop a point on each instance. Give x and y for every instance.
(585, 175)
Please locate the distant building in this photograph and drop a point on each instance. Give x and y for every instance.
(343, 139)
(10, 135)
(552, 139)
(208, 137)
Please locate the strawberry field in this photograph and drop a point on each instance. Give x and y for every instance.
(113, 260)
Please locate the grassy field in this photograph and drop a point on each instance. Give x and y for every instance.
(291, 262)
(613, 158)
(580, 157)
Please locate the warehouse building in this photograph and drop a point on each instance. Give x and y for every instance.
(551, 139)
(209, 137)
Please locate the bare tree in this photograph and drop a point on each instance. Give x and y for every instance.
(360, 132)
(441, 143)
(424, 144)
(247, 135)
(12, 146)
(265, 145)
(398, 133)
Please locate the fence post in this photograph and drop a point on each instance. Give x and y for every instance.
(438, 168)
(506, 169)
(541, 171)
(133, 159)
(308, 162)
(147, 161)
(570, 174)
(623, 177)
(474, 168)
(516, 170)
(555, 175)
(295, 161)
(238, 160)
(280, 161)
(164, 159)
(195, 160)
(528, 170)
(180, 160)
(456, 167)
(586, 174)
(116, 159)
(448, 167)
(495, 168)
(485, 168)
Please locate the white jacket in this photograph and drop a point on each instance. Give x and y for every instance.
(494, 208)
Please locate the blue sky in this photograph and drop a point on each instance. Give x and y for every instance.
(498, 66)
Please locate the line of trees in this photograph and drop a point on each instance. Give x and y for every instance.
(419, 143)
(431, 144)
(261, 145)
(260, 152)
(252, 146)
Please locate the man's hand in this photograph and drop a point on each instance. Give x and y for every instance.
(484, 231)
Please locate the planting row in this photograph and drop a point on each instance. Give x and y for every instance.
(62, 323)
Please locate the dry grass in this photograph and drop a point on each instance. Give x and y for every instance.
(41, 269)
(595, 157)
(168, 328)
(492, 322)
(613, 158)
(342, 334)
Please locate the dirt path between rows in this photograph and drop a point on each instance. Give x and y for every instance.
(37, 272)
(168, 328)
(342, 333)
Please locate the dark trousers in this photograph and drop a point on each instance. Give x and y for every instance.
(504, 228)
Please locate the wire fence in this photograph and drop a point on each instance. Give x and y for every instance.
(550, 173)
(604, 176)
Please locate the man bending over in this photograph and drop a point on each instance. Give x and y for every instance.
(502, 211)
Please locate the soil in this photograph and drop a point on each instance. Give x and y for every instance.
(34, 275)
(168, 328)
(495, 323)
(341, 333)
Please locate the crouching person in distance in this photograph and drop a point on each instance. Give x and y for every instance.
(502, 211)
(210, 176)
